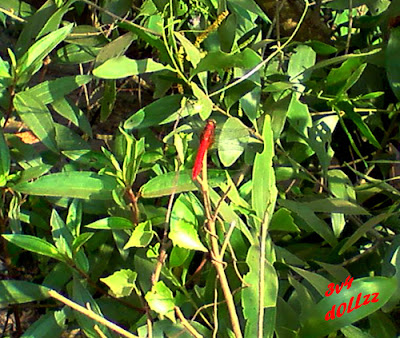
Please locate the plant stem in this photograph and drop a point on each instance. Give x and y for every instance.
(216, 258)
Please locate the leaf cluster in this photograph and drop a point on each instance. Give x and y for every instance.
(97, 146)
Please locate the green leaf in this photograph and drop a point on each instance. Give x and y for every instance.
(391, 59)
(337, 271)
(151, 39)
(37, 117)
(193, 55)
(85, 185)
(34, 244)
(394, 261)
(133, 157)
(178, 256)
(203, 101)
(121, 67)
(251, 294)
(55, 19)
(317, 224)
(83, 297)
(184, 226)
(75, 54)
(4, 160)
(72, 113)
(341, 59)
(302, 58)
(371, 96)
(368, 225)
(381, 325)
(340, 185)
(50, 91)
(88, 158)
(19, 292)
(81, 240)
(114, 49)
(161, 300)
(111, 223)
(264, 191)
(121, 282)
(34, 24)
(338, 77)
(278, 112)
(287, 319)
(317, 281)
(162, 111)
(283, 221)
(319, 139)
(86, 35)
(322, 48)
(236, 93)
(220, 61)
(262, 277)
(108, 99)
(278, 86)
(19, 8)
(299, 116)
(32, 59)
(352, 79)
(67, 139)
(177, 182)
(62, 237)
(230, 216)
(252, 7)
(356, 118)
(117, 7)
(49, 325)
(333, 205)
(4, 71)
(314, 322)
(74, 217)
(34, 172)
(141, 236)
(229, 148)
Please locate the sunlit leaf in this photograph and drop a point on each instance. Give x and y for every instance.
(121, 282)
(18, 292)
(141, 236)
(121, 67)
(183, 226)
(160, 300)
(86, 185)
(34, 244)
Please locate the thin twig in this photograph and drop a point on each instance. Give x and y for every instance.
(163, 247)
(215, 331)
(135, 208)
(186, 324)
(216, 257)
(90, 314)
(117, 17)
(219, 203)
(12, 15)
(350, 27)
(356, 258)
(228, 237)
(269, 58)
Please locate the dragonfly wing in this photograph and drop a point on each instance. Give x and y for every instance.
(230, 149)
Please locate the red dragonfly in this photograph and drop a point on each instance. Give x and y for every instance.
(230, 140)
(206, 140)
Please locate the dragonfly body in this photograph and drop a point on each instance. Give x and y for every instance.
(207, 138)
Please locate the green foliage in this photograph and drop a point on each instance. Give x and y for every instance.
(99, 103)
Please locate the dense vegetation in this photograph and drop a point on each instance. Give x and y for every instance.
(287, 230)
